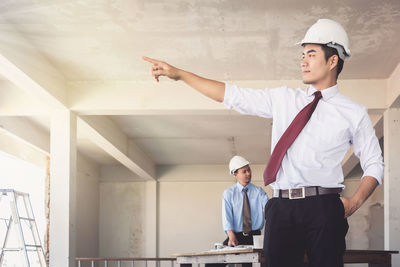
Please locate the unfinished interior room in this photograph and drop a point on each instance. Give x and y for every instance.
(124, 166)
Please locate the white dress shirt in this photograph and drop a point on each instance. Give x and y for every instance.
(314, 158)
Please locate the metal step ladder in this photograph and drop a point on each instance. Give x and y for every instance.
(20, 220)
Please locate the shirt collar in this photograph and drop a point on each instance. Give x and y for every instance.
(240, 186)
(326, 93)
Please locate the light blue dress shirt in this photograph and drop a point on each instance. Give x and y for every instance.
(232, 207)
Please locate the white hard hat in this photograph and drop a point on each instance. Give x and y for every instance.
(236, 163)
(330, 33)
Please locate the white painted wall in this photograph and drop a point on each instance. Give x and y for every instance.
(87, 210)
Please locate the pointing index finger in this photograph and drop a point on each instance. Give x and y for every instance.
(150, 60)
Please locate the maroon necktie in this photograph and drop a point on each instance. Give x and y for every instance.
(288, 138)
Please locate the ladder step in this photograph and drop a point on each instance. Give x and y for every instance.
(31, 249)
(14, 198)
(27, 219)
(10, 249)
(33, 246)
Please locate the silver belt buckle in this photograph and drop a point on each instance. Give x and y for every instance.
(297, 193)
(245, 234)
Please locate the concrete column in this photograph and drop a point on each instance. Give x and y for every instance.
(62, 189)
(392, 181)
(150, 220)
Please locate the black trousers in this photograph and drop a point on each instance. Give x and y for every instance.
(314, 225)
(242, 240)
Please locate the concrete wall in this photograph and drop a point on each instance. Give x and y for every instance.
(189, 212)
(190, 206)
(87, 210)
(366, 224)
(121, 219)
(190, 216)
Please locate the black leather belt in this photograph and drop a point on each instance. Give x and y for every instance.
(255, 232)
(306, 191)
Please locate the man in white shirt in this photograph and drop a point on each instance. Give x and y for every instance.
(306, 213)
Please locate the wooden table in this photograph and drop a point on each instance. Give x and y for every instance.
(374, 258)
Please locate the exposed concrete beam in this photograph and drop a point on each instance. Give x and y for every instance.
(23, 65)
(27, 132)
(117, 173)
(179, 173)
(393, 89)
(16, 102)
(141, 159)
(351, 160)
(104, 133)
(169, 97)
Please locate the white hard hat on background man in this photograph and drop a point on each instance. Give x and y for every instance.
(236, 163)
(330, 33)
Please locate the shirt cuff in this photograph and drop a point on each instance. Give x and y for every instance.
(375, 172)
(228, 96)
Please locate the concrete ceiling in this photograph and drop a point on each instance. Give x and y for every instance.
(199, 139)
(103, 41)
(224, 39)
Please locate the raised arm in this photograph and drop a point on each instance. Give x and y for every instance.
(210, 88)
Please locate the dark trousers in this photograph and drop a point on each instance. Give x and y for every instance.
(314, 225)
(242, 240)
